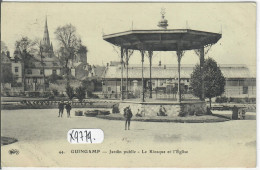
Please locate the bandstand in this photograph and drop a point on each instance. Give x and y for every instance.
(163, 39)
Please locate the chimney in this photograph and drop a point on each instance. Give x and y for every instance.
(160, 63)
(164, 67)
(107, 64)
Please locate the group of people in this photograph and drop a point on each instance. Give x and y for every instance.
(67, 107)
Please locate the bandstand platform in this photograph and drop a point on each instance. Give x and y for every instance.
(173, 108)
(163, 39)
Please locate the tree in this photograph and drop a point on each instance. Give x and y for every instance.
(88, 84)
(70, 92)
(69, 44)
(80, 93)
(4, 48)
(214, 81)
(27, 48)
(82, 49)
(7, 75)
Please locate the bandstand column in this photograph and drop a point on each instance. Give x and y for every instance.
(122, 66)
(150, 60)
(126, 53)
(142, 53)
(179, 55)
(202, 73)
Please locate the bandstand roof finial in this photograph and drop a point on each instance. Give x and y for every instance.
(163, 23)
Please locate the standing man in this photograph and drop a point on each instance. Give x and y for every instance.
(128, 115)
(61, 108)
(235, 113)
(68, 108)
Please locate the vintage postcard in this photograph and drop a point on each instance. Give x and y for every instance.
(128, 84)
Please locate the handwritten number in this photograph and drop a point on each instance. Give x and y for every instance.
(76, 136)
(71, 137)
(81, 135)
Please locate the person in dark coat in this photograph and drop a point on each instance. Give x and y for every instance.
(68, 108)
(128, 115)
(235, 113)
(243, 114)
(162, 111)
(61, 108)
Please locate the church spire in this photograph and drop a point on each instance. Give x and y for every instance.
(46, 38)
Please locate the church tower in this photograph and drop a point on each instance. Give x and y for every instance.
(46, 37)
(46, 45)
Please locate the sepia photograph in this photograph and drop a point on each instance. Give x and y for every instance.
(128, 84)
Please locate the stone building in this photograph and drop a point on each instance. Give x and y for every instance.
(14, 67)
(239, 81)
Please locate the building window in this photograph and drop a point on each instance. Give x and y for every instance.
(29, 71)
(41, 71)
(108, 88)
(54, 71)
(245, 90)
(16, 69)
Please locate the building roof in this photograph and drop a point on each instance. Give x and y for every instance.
(4, 58)
(47, 64)
(163, 39)
(171, 71)
(98, 70)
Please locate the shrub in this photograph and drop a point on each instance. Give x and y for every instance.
(115, 108)
(47, 94)
(61, 95)
(55, 92)
(21, 93)
(54, 78)
(15, 84)
(34, 94)
(222, 99)
(242, 100)
(91, 95)
(7, 93)
(70, 92)
(80, 93)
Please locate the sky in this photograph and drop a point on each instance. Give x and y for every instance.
(236, 22)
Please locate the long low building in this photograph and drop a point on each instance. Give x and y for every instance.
(239, 81)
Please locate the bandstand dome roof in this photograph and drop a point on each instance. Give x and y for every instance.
(163, 39)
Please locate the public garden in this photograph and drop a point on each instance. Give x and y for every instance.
(182, 121)
(41, 135)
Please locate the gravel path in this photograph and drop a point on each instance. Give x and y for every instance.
(42, 135)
